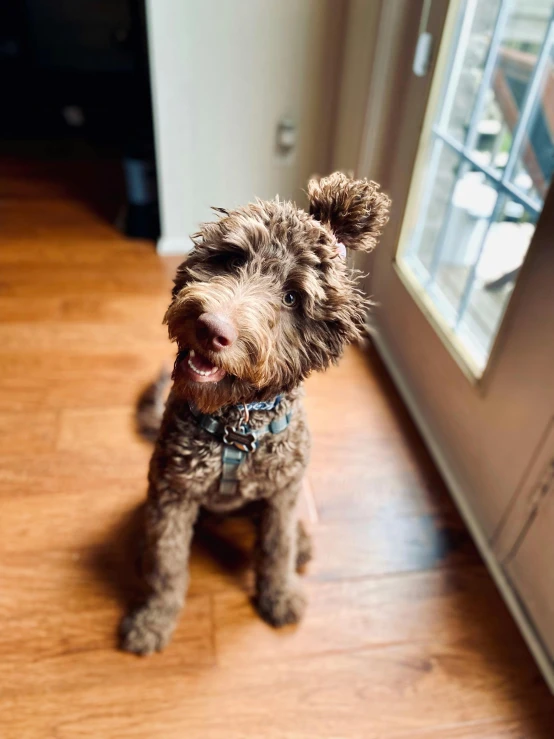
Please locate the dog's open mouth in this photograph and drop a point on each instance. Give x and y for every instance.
(197, 368)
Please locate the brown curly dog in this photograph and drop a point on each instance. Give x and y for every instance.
(263, 299)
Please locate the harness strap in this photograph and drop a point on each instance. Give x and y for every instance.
(236, 442)
(207, 422)
(279, 424)
(231, 458)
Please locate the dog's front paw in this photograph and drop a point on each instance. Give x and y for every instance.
(279, 609)
(146, 630)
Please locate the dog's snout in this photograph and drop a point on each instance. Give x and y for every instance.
(215, 332)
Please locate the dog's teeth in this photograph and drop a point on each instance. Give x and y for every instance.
(203, 373)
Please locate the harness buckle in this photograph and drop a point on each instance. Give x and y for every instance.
(243, 440)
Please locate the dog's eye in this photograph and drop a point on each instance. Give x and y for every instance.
(290, 299)
(225, 261)
(234, 263)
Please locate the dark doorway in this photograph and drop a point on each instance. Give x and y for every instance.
(76, 104)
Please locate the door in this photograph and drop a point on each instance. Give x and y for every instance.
(464, 281)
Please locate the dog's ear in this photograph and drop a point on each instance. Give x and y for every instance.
(354, 210)
(180, 278)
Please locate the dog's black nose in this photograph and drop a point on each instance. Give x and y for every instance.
(215, 332)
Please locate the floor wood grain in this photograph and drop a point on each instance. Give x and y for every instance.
(405, 636)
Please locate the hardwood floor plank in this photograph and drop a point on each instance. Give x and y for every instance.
(357, 694)
(75, 307)
(538, 727)
(25, 474)
(59, 631)
(46, 380)
(78, 515)
(28, 433)
(81, 430)
(77, 338)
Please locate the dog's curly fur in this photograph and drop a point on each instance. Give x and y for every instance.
(240, 268)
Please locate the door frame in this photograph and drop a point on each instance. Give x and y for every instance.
(388, 106)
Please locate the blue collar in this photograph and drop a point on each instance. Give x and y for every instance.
(262, 405)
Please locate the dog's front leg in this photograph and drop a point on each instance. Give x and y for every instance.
(278, 597)
(169, 528)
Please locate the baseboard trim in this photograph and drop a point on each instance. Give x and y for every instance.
(456, 489)
(170, 245)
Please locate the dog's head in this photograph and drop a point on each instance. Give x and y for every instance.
(266, 297)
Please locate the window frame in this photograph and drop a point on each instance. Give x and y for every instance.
(445, 318)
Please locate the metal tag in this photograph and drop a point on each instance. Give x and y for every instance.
(246, 442)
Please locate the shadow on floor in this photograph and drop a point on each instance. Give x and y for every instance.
(221, 550)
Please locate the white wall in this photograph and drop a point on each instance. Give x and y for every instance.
(224, 72)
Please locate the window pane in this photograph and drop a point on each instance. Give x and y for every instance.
(504, 250)
(472, 206)
(468, 62)
(439, 183)
(521, 39)
(535, 162)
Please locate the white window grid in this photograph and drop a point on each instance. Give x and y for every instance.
(501, 181)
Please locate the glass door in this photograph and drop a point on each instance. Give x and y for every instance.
(463, 279)
(485, 166)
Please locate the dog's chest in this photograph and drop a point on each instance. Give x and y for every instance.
(191, 460)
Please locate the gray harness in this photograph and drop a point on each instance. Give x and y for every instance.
(238, 441)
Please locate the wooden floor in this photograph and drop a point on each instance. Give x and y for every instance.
(405, 636)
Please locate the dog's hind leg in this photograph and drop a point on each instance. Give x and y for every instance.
(169, 528)
(278, 598)
(150, 406)
(303, 546)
